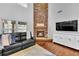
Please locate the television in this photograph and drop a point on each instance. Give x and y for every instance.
(67, 26)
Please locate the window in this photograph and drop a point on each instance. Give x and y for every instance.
(21, 27)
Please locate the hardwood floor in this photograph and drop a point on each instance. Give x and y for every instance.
(57, 49)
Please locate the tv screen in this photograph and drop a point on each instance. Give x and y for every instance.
(66, 26)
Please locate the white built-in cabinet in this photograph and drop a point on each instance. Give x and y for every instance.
(68, 40)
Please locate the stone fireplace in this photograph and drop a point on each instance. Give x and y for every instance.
(40, 20)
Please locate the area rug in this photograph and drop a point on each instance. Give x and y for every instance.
(35, 50)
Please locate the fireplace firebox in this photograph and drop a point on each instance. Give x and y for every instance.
(40, 34)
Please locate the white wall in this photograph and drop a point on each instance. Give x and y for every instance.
(50, 21)
(69, 12)
(13, 11)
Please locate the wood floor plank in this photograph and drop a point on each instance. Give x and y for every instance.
(57, 49)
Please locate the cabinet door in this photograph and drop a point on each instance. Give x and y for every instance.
(70, 41)
(57, 38)
(77, 42)
(73, 42)
(64, 39)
